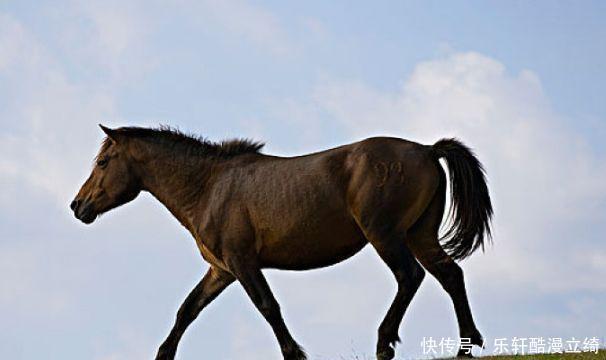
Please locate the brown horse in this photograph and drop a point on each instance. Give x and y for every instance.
(248, 211)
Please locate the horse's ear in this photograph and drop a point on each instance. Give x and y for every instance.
(111, 133)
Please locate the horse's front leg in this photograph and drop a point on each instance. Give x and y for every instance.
(257, 288)
(212, 284)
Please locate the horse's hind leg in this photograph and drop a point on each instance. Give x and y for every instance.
(450, 276)
(424, 243)
(211, 285)
(409, 275)
(385, 206)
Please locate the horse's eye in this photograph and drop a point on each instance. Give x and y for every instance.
(102, 162)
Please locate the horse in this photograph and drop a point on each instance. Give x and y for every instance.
(248, 211)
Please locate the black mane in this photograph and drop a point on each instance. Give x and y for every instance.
(193, 144)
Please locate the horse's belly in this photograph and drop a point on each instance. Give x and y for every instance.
(312, 245)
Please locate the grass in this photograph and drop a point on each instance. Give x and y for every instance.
(582, 356)
(601, 355)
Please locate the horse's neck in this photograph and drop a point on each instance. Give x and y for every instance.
(176, 183)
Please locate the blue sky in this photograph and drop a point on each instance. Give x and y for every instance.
(521, 82)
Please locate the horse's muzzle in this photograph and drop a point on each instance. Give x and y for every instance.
(83, 211)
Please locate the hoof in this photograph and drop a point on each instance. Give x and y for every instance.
(387, 343)
(475, 338)
(464, 354)
(386, 354)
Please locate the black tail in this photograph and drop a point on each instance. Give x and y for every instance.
(470, 208)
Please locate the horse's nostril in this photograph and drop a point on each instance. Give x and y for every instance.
(74, 205)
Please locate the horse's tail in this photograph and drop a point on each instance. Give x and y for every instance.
(470, 209)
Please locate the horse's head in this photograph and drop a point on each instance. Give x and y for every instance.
(113, 181)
